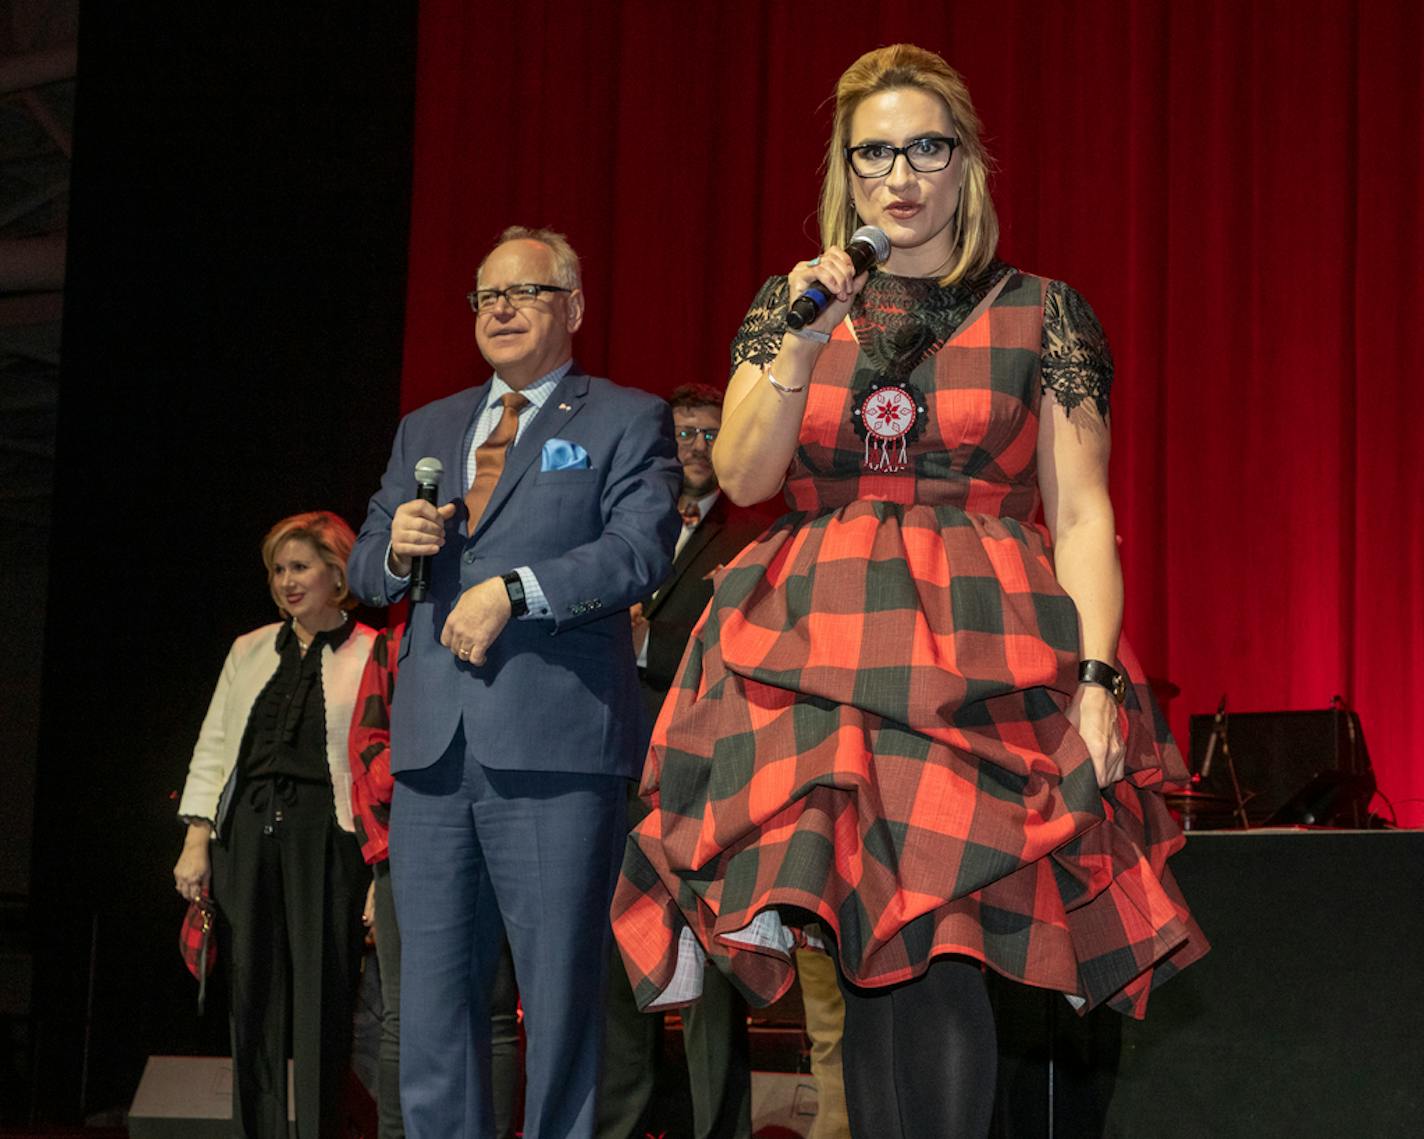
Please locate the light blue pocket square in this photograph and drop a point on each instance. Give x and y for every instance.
(561, 455)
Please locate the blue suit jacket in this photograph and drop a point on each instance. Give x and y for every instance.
(557, 694)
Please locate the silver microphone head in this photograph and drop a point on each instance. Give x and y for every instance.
(428, 472)
(874, 237)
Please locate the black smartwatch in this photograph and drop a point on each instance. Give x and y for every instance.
(514, 586)
(1105, 676)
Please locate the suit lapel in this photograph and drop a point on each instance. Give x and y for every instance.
(710, 527)
(564, 402)
(452, 483)
(695, 545)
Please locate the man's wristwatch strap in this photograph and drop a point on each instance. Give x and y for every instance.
(1103, 674)
(514, 586)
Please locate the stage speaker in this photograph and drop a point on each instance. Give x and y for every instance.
(783, 1105)
(188, 1097)
(1297, 767)
(1307, 1017)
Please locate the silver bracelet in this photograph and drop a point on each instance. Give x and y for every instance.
(811, 334)
(782, 388)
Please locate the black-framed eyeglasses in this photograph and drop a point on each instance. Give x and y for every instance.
(518, 296)
(925, 155)
(688, 434)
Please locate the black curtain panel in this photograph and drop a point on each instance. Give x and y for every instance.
(232, 351)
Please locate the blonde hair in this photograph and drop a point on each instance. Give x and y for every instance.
(905, 65)
(333, 540)
(566, 261)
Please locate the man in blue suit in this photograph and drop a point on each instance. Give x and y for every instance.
(518, 716)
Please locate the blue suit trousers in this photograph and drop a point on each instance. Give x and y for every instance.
(477, 855)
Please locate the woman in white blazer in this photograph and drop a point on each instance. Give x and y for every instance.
(267, 803)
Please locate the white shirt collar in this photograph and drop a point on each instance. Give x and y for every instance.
(537, 392)
(705, 504)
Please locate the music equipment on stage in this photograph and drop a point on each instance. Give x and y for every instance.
(190, 1097)
(1220, 738)
(1201, 810)
(1303, 1020)
(1285, 768)
(186, 1097)
(783, 1104)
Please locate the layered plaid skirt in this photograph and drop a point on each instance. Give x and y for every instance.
(868, 733)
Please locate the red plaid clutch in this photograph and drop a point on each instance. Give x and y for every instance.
(197, 942)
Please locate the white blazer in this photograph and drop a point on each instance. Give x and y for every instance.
(250, 664)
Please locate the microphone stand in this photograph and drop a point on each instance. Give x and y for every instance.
(1340, 708)
(1220, 737)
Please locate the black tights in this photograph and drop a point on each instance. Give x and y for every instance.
(921, 1058)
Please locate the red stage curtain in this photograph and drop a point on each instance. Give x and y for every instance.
(1235, 186)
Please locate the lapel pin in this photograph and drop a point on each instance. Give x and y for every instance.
(565, 407)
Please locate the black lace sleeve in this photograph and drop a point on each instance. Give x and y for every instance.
(1077, 362)
(759, 338)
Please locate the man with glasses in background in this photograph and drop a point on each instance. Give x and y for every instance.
(715, 1028)
(517, 720)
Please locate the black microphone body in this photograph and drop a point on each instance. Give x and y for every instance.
(868, 246)
(427, 483)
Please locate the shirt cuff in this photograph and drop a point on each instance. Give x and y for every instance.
(395, 586)
(533, 595)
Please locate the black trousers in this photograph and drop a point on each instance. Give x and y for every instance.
(290, 885)
(714, 1035)
(388, 954)
(719, 1070)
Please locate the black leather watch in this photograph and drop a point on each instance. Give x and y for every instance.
(514, 586)
(1103, 674)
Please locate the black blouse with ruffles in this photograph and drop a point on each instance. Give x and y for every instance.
(286, 731)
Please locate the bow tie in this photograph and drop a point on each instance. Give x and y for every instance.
(691, 516)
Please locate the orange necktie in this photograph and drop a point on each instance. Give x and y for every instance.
(489, 458)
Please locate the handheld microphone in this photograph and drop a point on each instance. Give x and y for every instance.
(427, 482)
(868, 246)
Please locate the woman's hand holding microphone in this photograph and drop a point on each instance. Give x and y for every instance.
(835, 273)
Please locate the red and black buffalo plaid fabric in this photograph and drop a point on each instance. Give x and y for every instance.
(369, 746)
(198, 941)
(868, 729)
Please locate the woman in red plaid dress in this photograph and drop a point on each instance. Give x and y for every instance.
(907, 717)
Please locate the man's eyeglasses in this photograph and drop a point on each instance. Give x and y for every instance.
(518, 296)
(688, 434)
(925, 155)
